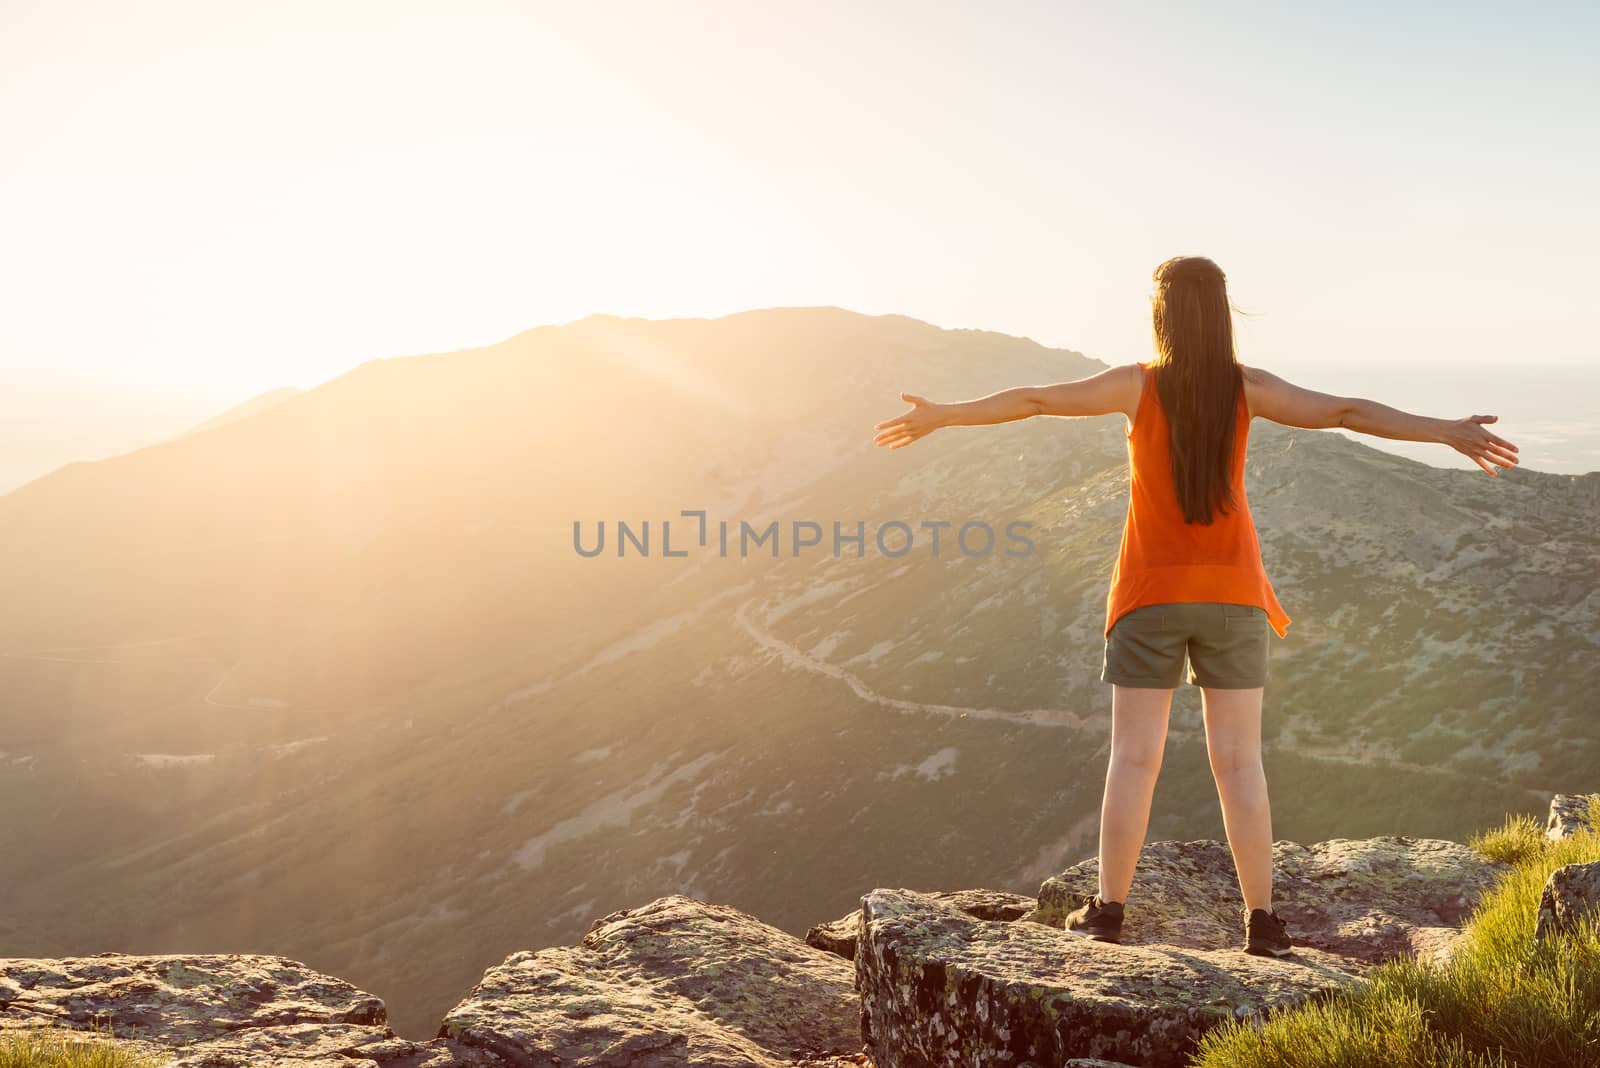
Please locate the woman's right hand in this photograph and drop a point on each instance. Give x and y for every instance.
(922, 420)
(1468, 437)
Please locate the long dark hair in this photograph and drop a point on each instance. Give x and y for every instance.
(1198, 380)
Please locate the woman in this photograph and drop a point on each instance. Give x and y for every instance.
(1189, 583)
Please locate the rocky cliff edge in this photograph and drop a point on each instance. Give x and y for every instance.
(911, 979)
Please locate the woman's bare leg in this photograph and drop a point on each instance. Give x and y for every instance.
(1138, 738)
(1233, 742)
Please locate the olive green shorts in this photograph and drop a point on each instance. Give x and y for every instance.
(1225, 645)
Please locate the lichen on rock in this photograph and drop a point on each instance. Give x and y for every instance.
(839, 936)
(215, 1010)
(1571, 893)
(676, 981)
(940, 987)
(1569, 815)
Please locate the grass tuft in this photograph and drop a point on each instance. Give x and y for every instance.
(1501, 1001)
(1515, 840)
(50, 1047)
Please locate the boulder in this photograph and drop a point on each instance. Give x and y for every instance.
(217, 1009)
(677, 981)
(1569, 815)
(1571, 893)
(839, 936)
(939, 987)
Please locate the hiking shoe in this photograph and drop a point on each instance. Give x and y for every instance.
(1096, 919)
(1264, 934)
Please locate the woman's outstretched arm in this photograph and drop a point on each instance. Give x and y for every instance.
(1112, 390)
(1283, 402)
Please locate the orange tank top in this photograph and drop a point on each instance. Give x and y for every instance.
(1163, 559)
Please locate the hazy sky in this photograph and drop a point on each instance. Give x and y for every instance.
(254, 195)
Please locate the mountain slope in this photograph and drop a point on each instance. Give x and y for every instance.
(254, 406)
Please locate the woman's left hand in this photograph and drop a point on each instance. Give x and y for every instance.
(923, 419)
